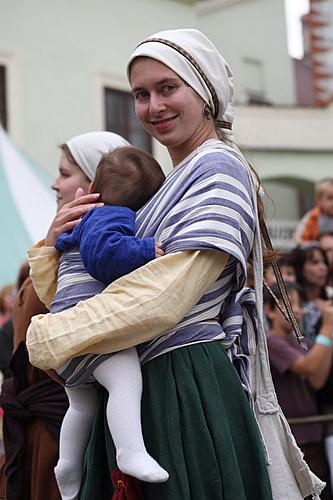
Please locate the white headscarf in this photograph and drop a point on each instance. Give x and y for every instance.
(197, 61)
(87, 149)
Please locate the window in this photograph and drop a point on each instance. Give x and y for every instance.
(3, 99)
(254, 81)
(120, 117)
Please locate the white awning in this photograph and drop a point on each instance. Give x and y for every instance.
(27, 206)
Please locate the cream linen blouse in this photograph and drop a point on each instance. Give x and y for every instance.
(131, 310)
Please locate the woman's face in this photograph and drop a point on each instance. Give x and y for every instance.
(315, 270)
(70, 178)
(169, 110)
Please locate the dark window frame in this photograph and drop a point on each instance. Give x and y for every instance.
(123, 120)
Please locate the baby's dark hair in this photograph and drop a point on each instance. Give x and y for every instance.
(127, 176)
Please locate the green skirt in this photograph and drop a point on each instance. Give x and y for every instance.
(197, 424)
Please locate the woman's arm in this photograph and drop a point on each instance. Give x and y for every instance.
(132, 310)
(44, 261)
(316, 364)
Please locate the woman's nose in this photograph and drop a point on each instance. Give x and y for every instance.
(55, 185)
(156, 104)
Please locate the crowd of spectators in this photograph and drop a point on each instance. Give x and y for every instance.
(302, 372)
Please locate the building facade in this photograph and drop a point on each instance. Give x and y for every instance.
(62, 72)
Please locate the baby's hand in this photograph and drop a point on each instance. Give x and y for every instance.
(158, 250)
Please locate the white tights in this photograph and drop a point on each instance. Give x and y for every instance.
(329, 454)
(121, 377)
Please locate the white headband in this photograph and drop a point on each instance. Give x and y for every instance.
(194, 58)
(87, 149)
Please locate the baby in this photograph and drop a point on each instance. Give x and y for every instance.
(125, 178)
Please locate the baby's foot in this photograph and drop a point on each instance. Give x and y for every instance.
(142, 466)
(68, 480)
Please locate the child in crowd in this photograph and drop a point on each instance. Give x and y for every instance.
(288, 272)
(287, 268)
(320, 218)
(298, 373)
(126, 179)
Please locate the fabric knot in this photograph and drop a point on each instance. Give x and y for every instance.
(238, 319)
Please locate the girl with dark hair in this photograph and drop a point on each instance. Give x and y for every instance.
(312, 272)
(311, 266)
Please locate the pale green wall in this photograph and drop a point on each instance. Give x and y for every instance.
(302, 165)
(284, 173)
(253, 29)
(59, 51)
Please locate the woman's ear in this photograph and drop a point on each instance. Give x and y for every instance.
(90, 188)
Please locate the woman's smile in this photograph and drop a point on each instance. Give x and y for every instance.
(164, 123)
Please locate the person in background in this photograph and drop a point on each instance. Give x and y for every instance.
(320, 218)
(188, 310)
(298, 373)
(288, 272)
(7, 330)
(326, 243)
(31, 444)
(312, 271)
(7, 301)
(6, 350)
(126, 179)
(311, 267)
(287, 268)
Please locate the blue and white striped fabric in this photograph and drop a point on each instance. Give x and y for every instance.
(73, 285)
(206, 203)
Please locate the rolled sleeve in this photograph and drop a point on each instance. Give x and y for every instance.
(134, 309)
(44, 262)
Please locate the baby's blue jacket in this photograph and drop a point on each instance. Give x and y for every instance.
(107, 242)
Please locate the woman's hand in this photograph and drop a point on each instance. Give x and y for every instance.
(70, 214)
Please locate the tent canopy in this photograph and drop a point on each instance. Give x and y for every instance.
(27, 207)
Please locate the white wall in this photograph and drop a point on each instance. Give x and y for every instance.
(252, 30)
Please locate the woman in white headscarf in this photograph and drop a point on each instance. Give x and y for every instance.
(77, 165)
(189, 310)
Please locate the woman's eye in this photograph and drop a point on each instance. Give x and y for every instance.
(139, 96)
(167, 89)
